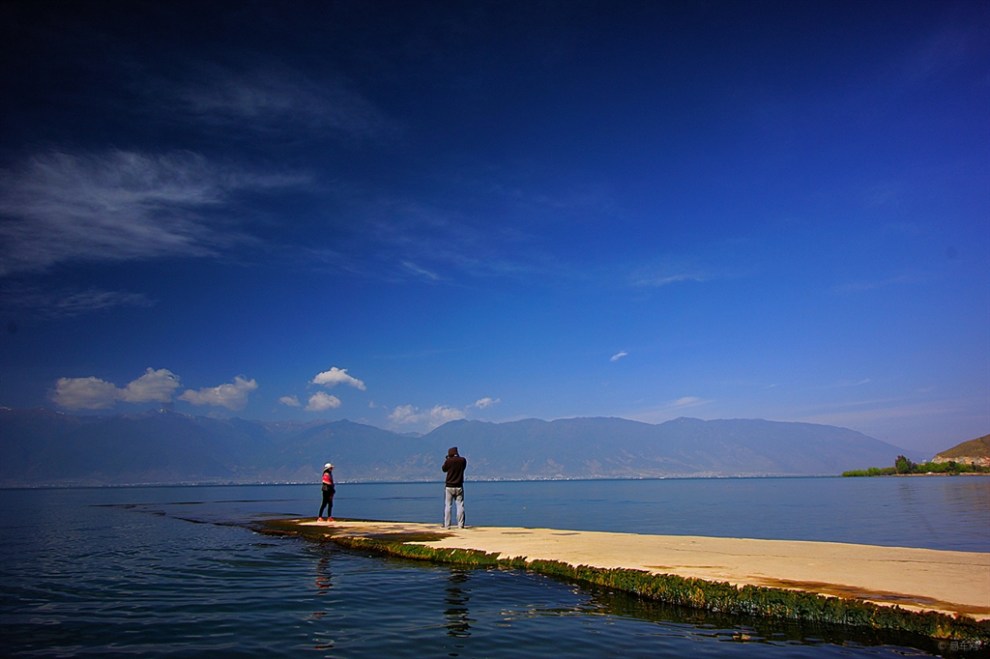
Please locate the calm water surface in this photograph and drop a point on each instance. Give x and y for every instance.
(176, 570)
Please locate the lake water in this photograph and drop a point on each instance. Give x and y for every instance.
(178, 570)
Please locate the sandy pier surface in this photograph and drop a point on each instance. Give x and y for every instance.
(951, 582)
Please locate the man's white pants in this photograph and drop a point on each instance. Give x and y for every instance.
(455, 494)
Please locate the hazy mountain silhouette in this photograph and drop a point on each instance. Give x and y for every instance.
(39, 447)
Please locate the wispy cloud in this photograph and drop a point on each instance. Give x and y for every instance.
(843, 384)
(277, 99)
(688, 401)
(669, 409)
(63, 207)
(619, 355)
(66, 303)
(669, 271)
(420, 271)
(859, 413)
(865, 285)
(944, 50)
(855, 383)
(469, 232)
(658, 280)
(436, 242)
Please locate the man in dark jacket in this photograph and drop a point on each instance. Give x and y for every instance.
(454, 467)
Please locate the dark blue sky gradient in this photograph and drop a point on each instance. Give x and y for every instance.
(500, 210)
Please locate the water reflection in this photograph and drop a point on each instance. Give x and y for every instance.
(963, 503)
(456, 598)
(970, 496)
(322, 640)
(913, 506)
(323, 574)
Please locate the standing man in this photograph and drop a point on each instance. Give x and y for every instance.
(454, 467)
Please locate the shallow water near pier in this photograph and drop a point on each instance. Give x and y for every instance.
(179, 571)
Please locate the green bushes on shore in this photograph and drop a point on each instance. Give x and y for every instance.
(872, 471)
(903, 466)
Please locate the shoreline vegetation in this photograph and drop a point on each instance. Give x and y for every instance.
(905, 467)
(713, 596)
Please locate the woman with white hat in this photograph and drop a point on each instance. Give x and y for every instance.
(328, 491)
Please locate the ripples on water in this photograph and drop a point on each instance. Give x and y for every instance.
(151, 571)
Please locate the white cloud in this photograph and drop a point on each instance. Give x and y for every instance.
(436, 416)
(336, 376)
(233, 395)
(321, 401)
(84, 393)
(290, 401)
(441, 414)
(409, 415)
(619, 355)
(154, 385)
(95, 394)
(403, 414)
(116, 206)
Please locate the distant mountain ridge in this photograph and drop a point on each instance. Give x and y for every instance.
(39, 447)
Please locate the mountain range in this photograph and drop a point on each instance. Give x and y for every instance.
(40, 447)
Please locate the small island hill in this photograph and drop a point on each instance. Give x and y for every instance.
(975, 452)
(970, 457)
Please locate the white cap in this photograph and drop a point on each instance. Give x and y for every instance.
(328, 466)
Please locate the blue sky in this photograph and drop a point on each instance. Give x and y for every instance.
(403, 213)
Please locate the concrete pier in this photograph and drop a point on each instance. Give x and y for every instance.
(950, 582)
